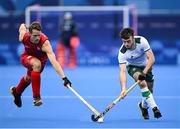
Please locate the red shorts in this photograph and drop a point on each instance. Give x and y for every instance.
(25, 60)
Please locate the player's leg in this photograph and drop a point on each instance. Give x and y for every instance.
(143, 106)
(147, 96)
(24, 82)
(74, 43)
(72, 57)
(36, 80)
(17, 91)
(61, 54)
(150, 80)
(150, 84)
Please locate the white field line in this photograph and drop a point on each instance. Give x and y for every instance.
(90, 128)
(93, 97)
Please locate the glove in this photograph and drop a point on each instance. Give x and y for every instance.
(66, 81)
(142, 77)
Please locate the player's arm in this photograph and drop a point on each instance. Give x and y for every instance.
(123, 79)
(150, 62)
(51, 56)
(22, 31)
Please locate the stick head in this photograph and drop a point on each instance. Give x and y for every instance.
(98, 119)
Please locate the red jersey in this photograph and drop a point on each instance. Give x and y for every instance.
(35, 49)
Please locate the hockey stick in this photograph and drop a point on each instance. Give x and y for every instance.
(95, 118)
(85, 102)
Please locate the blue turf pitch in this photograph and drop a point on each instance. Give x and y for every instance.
(99, 86)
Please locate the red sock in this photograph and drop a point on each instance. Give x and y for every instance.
(22, 86)
(36, 81)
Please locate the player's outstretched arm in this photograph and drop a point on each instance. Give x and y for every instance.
(150, 62)
(123, 79)
(48, 49)
(22, 31)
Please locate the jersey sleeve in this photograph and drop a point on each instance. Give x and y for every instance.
(121, 58)
(145, 44)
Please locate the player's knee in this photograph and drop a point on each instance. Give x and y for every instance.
(37, 66)
(143, 84)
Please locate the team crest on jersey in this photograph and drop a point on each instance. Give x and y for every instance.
(134, 69)
(38, 48)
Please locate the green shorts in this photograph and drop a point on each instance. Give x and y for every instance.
(133, 69)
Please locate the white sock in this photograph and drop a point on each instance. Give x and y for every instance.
(144, 104)
(148, 98)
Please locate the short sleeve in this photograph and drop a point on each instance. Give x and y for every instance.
(121, 58)
(145, 44)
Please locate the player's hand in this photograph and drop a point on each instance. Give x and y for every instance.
(123, 93)
(142, 77)
(23, 24)
(66, 82)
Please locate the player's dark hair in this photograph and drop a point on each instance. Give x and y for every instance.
(35, 26)
(126, 33)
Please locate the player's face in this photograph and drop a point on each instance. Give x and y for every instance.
(35, 36)
(128, 43)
